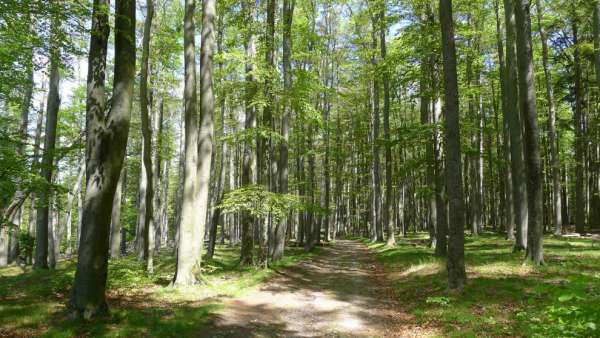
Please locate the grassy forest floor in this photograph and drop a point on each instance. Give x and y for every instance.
(344, 289)
(33, 303)
(503, 296)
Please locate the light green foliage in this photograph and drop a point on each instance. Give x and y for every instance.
(261, 203)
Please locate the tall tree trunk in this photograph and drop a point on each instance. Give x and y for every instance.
(147, 197)
(376, 175)
(249, 156)
(456, 261)
(35, 168)
(207, 105)
(515, 127)
(552, 139)
(106, 144)
(53, 105)
(527, 100)
(387, 222)
(288, 17)
(190, 235)
(580, 143)
(157, 150)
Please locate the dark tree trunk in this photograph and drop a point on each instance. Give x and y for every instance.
(456, 261)
(106, 144)
(527, 100)
(519, 187)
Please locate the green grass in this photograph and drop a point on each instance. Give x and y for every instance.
(503, 297)
(34, 303)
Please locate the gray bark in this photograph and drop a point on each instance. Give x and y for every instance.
(115, 219)
(249, 156)
(106, 145)
(456, 262)
(552, 139)
(207, 103)
(520, 205)
(580, 142)
(387, 202)
(190, 236)
(528, 105)
(288, 17)
(53, 105)
(147, 185)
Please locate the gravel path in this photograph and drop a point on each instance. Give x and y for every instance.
(341, 293)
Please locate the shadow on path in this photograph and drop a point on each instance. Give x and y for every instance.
(341, 293)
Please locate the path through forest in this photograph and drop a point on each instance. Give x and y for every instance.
(343, 292)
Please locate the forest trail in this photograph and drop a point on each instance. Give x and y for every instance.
(342, 292)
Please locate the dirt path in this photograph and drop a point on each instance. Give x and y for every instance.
(341, 293)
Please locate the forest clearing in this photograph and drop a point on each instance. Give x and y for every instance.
(299, 168)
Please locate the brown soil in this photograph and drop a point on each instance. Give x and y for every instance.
(341, 293)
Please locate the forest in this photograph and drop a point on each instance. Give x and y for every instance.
(300, 168)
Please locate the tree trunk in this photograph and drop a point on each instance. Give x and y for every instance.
(387, 222)
(527, 100)
(596, 24)
(106, 144)
(515, 127)
(53, 105)
(280, 229)
(147, 197)
(456, 261)
(70, 201)
(249, 157)
(207, 104)
(580, 142)
(552, 139)
(115, 219)
(376, 175)
(190, 235)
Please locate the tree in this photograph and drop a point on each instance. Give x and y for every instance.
(249, 156)
(147, 185)
(53, 105)
(456, 261)
(552, 139)
(520, 205)
(387, 222)
(288, 18)
(190, 236)
(207, 105)
(528, 105)
(106, 144)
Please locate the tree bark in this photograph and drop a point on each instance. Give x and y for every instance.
(190, 235)
(552, 139)
(520, 205)
(53, 105)
(387, 222)
(115, 218)
(147, 191)
(288, 18)
(580, 143)
(249, 157)
(106, 144)
(207, 103)
(528, 105)
(456, 261)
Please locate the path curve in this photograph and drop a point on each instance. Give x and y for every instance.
(343, 292)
